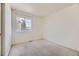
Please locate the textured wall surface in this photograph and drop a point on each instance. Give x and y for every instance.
(63, 27)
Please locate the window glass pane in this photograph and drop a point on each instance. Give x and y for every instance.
(20, 24)
(28, 23)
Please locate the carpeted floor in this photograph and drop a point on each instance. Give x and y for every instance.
(40, 48)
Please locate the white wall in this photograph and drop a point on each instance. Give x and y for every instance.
(63, 27)
(6, 29)
(35, 34)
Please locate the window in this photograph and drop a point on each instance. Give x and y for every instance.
(23, 24)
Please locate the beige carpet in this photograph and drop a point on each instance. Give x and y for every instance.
(40, 48)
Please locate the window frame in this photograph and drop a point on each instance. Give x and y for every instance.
(25, 17)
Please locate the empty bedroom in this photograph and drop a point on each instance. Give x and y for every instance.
(40, 29)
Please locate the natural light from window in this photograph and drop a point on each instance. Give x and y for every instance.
(23, 24)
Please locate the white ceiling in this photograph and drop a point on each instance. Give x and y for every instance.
(40, 9)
